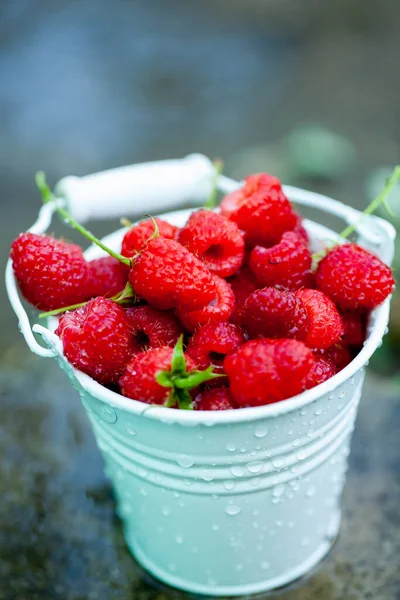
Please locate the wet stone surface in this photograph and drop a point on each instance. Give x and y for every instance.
(60, 538)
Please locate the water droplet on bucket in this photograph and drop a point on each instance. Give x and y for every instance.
(143, 491)
(229, 484)
(278, 523)
(214, 496)
(179, 539)
(277, 462)
(231, 447)
(172, 567)
(232, 510)
(185, 461)
(301, 455)
(303, 412)
(255, 466)
(265, 565)
(237, 471)
(278, 490)
(176, 494)
(255, 481)
(239, 567)
(261, 431)
(200, 436)
(131, 430)
(305, 542)
(207, 477)
(166, 511)
(310, 492)
(342, 395)
(215, 527)
(108, 414)
(318, 411)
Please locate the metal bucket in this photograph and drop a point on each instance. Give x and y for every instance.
(227, 503)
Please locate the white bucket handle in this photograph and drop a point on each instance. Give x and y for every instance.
(158, 186)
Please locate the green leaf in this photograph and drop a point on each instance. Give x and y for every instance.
(195, 378)
(164, 379)
(184, 399)
(178, 363)
(212, 199)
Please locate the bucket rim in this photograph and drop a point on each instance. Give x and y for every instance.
(255, 413)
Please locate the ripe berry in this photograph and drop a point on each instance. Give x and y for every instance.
(219, 309)
(215, 240)
(152, 328)
(287, 265)
(300, 230)
(96, 339)
(214, 399)
(167, 276)
(243, 284)
(321, 370)
(50, 273)
(325, 325)
(213, 342)
(138, 235)
(354, 278)
(139, 379)
(107, 277)
(354, 328)
(274, 314)
(266, 371)
(260, 209)
(338, 354)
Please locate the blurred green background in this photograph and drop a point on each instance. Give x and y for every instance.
(307, 90)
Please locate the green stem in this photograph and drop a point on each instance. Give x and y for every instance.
(48, 196)
(59, 311)
(371, 208)
(212, 199)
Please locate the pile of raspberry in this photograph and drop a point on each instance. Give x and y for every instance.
(225, 312)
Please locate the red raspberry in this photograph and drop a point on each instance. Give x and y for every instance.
(214, 399)
(138, 235)
(97, 340)
(139, 379)
(354, 278)
(50, 273)
(300, 230)
(260, 209)
(275, 314)
(266, 371)
(338, 354)
(325, 323)
(287, 265)
(321, 370)
(151, 328)
(219, 309)
(167, 276)
(107, 277)
(212, 342)
(243, 284)
(354, 328)
(215, 240)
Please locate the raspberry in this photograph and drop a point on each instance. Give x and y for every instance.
(266, 371)
(212, 342)
(97, 340)
(50, 273)
(272, 313)
(214, 399)
(325, 323)
(354, 278)
(107, 277)
(219, 309)
(260, 209)
(215, 240)
(243, 284)
(338, 354)
(354, 328)
(300, 230)
(287, 265)
(151, 328)
(167, 276)
(321, 370)
(139, 379)
(138, 235)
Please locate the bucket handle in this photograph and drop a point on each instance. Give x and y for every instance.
(158, 186)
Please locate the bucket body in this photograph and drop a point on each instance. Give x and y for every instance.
(231, 502)
(228, 509)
